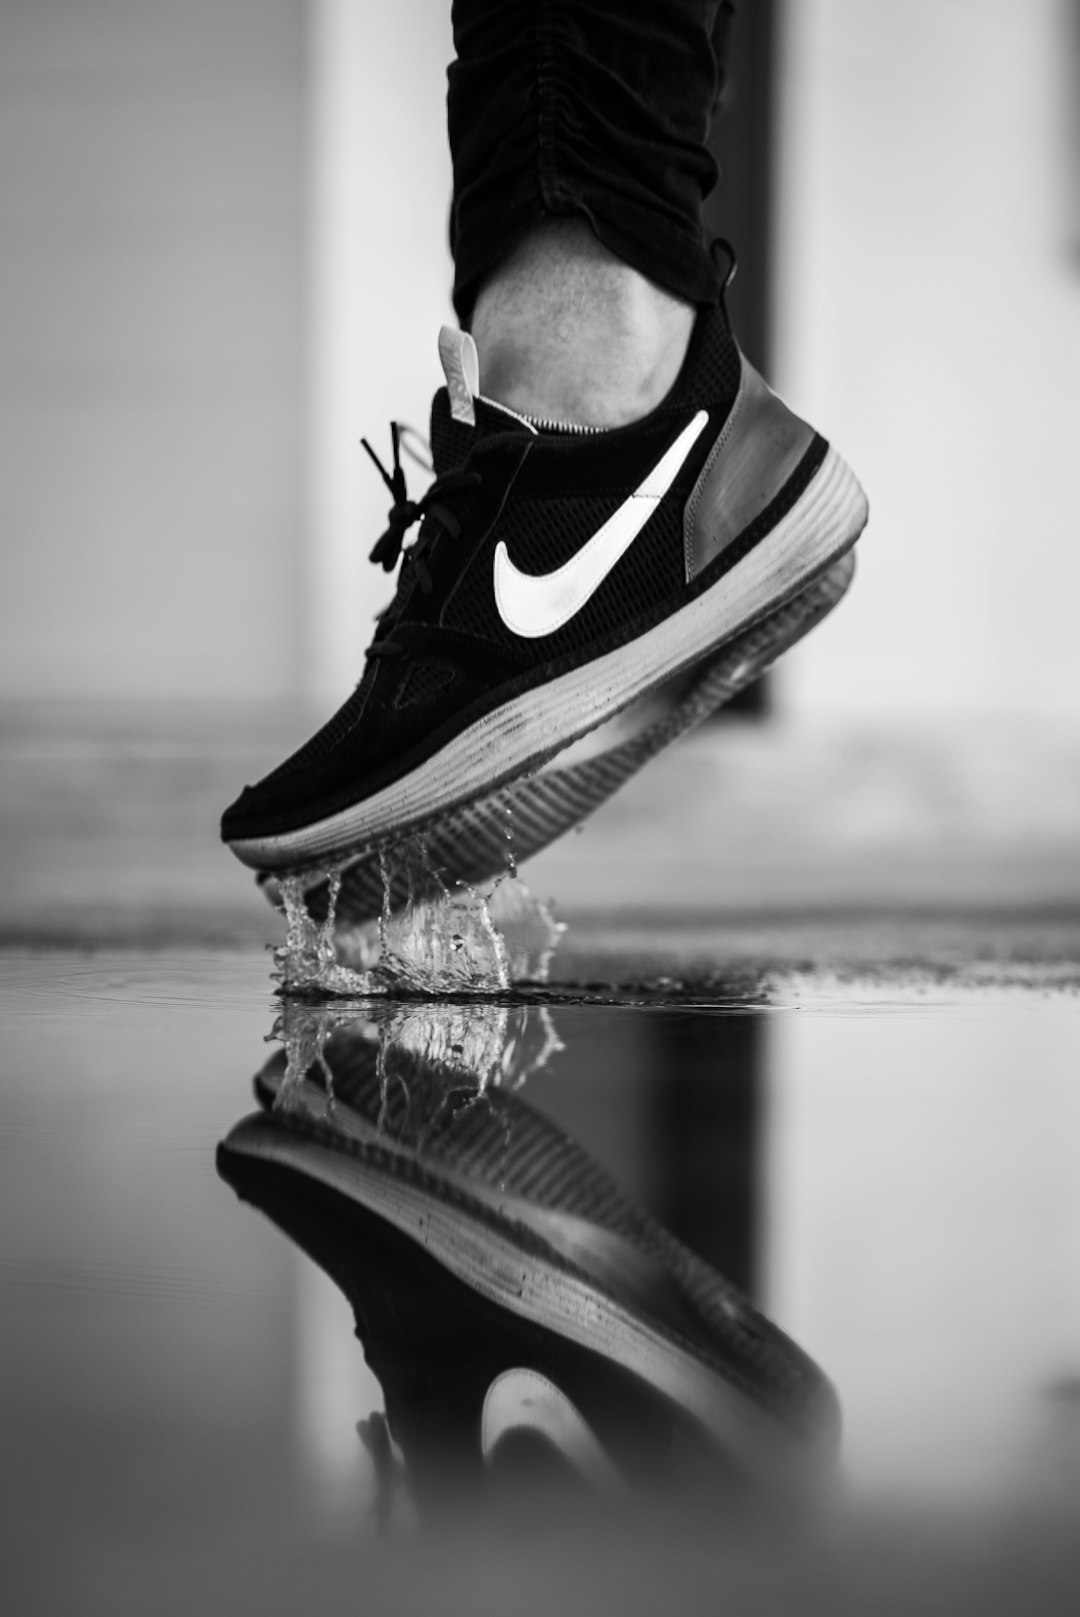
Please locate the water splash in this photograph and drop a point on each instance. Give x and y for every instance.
(432, 1056)
(435, 939)
(442, 940)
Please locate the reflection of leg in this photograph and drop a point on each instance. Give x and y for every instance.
(578, 138)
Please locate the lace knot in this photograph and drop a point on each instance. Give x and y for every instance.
(430, 508)
(400, 518)
(402, 514)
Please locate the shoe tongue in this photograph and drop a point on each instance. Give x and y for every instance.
(460, 418)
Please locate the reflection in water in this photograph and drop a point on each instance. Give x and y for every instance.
(705, 1117)
(520, 1312)
(180, 1387)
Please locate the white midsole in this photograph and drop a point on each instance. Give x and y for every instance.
(824, 522)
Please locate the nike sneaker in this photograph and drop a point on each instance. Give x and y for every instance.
(556, 576)
(503, 1283)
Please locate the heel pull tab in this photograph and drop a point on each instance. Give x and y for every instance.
(461, 367)
(720, 244)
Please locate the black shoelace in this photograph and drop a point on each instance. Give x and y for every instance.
(431, 511)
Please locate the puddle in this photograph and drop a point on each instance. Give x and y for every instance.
(506, 1288)
(624, 1197)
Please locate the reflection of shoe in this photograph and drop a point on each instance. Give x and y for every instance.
(470, 844)
(437, 1345)
(504, 1225)
(557, 577)
(524, 1404)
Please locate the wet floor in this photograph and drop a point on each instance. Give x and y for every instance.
(629, 1192)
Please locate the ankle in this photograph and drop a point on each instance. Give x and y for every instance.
(566, 331)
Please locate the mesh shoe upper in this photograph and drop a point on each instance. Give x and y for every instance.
(443, 657)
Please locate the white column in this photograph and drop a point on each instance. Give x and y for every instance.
(922, 1228)
(928, 322)
(380, 278)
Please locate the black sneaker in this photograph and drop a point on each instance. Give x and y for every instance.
(557, 576)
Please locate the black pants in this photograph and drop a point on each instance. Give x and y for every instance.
(594, 108)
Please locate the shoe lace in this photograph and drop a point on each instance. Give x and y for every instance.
(434, 516)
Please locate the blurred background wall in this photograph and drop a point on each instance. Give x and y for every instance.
(223, 253)
(152, 338)
(928, 318)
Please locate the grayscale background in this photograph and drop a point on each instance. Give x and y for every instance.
(223, 259)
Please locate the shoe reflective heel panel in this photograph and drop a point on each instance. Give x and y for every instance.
(760, 446)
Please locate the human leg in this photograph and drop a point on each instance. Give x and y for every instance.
(588, 109)
(579, 140)
(566, 331)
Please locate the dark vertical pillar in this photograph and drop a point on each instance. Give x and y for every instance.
(741, 206)
(705, 1115)
(743, 142)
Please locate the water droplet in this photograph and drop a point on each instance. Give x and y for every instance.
(439, 940)
(511, 857)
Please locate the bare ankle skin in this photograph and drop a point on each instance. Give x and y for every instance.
(566, 331)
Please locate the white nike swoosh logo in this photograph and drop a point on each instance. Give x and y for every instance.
(524, 1401)
(532, 605)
